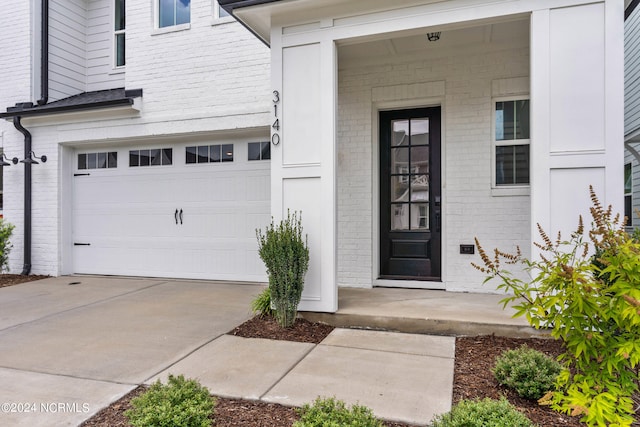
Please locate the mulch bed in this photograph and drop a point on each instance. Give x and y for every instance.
(473, 379)
(267, 327)
(16, 279)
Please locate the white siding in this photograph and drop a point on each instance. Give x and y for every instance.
(67, 48)
(632, 73)
(100, 72)
(469, 208)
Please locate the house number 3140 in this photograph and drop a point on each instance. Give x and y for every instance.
(275, 138)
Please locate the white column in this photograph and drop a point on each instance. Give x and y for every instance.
(576, 112)
(303, 174)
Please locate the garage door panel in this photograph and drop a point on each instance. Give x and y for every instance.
(128, 215)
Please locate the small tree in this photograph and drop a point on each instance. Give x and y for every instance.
(6, 230)
(590, 302)
(286, 256)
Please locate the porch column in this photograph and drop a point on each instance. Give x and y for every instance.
(576, 113)
(303, 159)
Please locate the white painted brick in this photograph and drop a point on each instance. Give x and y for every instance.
(469, 208)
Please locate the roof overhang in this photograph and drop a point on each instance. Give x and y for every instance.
(86, 101)
(249, 13)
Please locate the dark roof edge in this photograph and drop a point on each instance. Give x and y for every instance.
(231, 5)
(629, 10)
(28, 109)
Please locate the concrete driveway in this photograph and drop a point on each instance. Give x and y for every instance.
(71, 345)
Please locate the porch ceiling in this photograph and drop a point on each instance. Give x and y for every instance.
(504, 33)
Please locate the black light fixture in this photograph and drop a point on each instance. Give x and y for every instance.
(433, 37)
(32, 155)
(4, 160)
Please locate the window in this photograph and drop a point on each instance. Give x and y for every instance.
(259, 151)
(218, 11)
(512, 142)
(173, 12)
(152, 157)
(98, 160)
(628, 191)
(118, 34)
(209, 154)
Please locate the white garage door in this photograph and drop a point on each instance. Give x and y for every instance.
(171, 210)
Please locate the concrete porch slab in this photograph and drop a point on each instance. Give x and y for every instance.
(423, 311)
(396, 385)
(236, 367)
(33, 399)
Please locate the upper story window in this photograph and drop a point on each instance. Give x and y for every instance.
(118, 34)
(511, 142)
(173, 12)
(219, 12)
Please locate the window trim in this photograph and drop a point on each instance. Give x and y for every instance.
(508, 189)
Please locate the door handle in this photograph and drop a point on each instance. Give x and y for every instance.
(437, 222)
(175, 215)
(180, 216)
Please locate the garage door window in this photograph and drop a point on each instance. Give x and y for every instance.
(153, 157)
(98, 160)
(209, 154)
(259, 151)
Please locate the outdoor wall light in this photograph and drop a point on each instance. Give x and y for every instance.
(32, 155)
(5, 160)
(433, 37)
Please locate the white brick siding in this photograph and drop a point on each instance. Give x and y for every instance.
(469, 208)
(209, 80)
(15, 86)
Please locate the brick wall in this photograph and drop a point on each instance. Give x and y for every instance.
(211, 79)
(463, 84)
(15, 86)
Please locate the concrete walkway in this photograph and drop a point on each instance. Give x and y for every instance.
(70, 346)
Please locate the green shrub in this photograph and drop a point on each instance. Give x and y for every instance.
(483, 413)
(591, 303)
(329, 412)
(6, 230)
(179, 403)
(261, 305)
(529, 372)
(286, 256)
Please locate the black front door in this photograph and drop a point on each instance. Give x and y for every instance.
(410, 216)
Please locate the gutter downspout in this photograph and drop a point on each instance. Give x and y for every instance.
(27, 196)
(44, 53)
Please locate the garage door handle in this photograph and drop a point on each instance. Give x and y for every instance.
(180, 216)
(176, 216)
